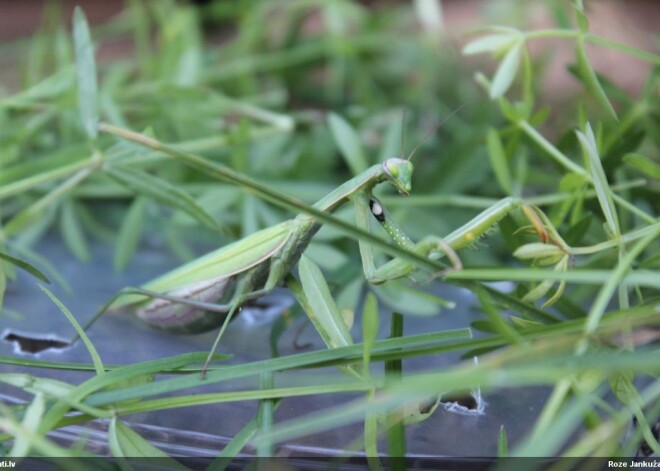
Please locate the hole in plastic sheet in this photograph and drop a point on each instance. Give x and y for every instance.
(464, 402)
(33, 344)
(464, 399)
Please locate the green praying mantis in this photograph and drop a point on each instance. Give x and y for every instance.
(205, 293)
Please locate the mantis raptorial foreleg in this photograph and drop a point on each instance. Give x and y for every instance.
(431, 246)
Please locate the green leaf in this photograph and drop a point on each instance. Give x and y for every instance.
(129, 234)
(369, 328)
(572, 181)
(538, 291)
(86, 74)
(237, 443)
(323, 313)
(507, 71)
(603, 191)
(326, 256)
(25, 266)
(498, 160)
(591, 82)
(98, 364)
(524, 323)
(403, 299)
(50, 87)
(125, 442)
(162, 191)
(580, 16)
(537, 250)
(30, 423)
(643, 164)
(578, 230)
(3, 284)
(392, 140)
(73, 235)
(348, 142)
(502, 443)
(651, 262)
(490, 43)
(506, 330)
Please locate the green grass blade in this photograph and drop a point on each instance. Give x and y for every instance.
(72, 232)
(16, 187)
(498, 160)
(36, 440)
(615, 278)
(324, 314)
(396, 431)
(129, 234)
(85, 74)
(30, 423)
(369, 328)
(237, 443)
(51, 87)
(162, 191)
(265, 417)
(490, 43)
(502, 443)
(591, 81)
(25, 266)
(507, 70)
(603, 191)
(646, 278)
(126, 443)
(643, 164)
(349, 143)
(96, 359)
(339, 356)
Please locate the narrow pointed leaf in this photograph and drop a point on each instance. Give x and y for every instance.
(163, 192)
(129, 234)
(498, 160)
(25, 266)
(643, 164)
(85, 74)
(349, 143)
(591, 81)
(369, 327)
(489, 43)
(325, 315)
(603, 191)
(125, 442)
(72, 232)
(98, 364)
(30, 422)
(506, 72)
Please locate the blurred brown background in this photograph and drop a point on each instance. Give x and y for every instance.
(633, 22)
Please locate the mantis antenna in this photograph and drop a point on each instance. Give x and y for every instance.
(433, 131)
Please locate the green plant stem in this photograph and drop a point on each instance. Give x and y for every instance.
(594, 39)
(551, 150)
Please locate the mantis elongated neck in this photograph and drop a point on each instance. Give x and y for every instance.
(365, 181)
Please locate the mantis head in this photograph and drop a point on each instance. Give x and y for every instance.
(399, 174)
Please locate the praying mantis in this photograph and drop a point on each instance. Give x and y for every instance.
(205, 293)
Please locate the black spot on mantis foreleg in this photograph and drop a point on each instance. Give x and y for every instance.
(377, 210)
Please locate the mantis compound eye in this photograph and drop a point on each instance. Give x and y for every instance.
(392, 168)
